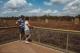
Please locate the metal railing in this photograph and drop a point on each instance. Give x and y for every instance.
(65, 40)
(8, 34)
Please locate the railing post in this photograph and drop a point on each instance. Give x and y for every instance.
(39, 39)
(67, 43)
(20, 37)
(39, 36)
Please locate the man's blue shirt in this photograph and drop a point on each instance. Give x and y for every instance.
(21, 23)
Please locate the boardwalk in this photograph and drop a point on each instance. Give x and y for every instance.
(21, 47)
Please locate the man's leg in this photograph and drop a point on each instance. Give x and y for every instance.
(23, 36)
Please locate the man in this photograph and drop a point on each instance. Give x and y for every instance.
(21, 24)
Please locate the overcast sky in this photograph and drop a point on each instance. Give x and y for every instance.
(39, 7)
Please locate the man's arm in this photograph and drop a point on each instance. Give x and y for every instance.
(17, 23)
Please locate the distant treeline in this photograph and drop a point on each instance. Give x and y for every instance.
(68, 18)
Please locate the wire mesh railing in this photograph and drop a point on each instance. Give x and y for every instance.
(8, 34)
(68, 41)
(65, 40)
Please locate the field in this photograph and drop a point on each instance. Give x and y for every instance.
(57, 24)
(68, 25)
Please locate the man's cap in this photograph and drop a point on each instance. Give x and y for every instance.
(22, 16)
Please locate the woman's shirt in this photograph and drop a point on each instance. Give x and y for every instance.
(26, 25)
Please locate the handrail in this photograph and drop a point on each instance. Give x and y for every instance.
(56, 29)
(8, 27)
(43, 28)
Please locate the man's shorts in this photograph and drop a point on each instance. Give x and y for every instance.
(21, 30)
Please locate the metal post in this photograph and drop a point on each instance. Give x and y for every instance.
(67, 43)
(39, 32)
(20, 37)
(39, 37)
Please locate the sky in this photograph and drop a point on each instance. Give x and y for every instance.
(39, 7)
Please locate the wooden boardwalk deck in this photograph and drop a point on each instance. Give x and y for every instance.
(21, 47)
